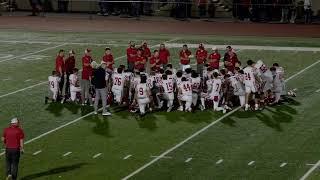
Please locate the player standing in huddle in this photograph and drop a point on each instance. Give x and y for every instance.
(108, 58)
(280, 71)
(74, 84)
(250, 82)
(238, 86)
(214, 90)
(168, 91)
(142, 94)
(277, 83)
(118, 81)
(196, 85)
(185, 55)
(54, 81)
(185, 94)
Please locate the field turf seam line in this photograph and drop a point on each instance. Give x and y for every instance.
(202, 130)
(24, 55)
(307, 174)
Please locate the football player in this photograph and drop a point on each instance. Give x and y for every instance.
(185, 94)
(54, 81)
(118, 81)
(250, 82)
(277, 84)
(74, 84)
(168, 88)
(142, 95)
(214, 90)
(196, 84)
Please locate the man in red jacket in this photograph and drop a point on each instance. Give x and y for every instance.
(231, 62)
(140, 61)
(185, 56)
(164, 55)
(146, 54)
(60, 69)
(70, 64)
(201, 57)
(86, 77)
(13, 137)
(108, 58)
(131, 56)
(214, 59)
(155, 62)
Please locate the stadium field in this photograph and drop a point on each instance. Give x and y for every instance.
(66, 141)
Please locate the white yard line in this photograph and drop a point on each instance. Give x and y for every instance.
(42, 50)
(283, 164)
(127, 157)
(96, 156)
(67, 154)
(164, 157)
(251, 163)
(317, 90)
(23, 89)
(188, 160)
(28, 80)
(307, 174)
(200, 131)
(220, 161)
(37, 152)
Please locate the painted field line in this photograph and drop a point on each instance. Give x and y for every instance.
(64, 125)
(188, 160)
(23, 89)
(220, 161)
(164, 157)
(317, 90)
(251, 163)
(67, 154)
(96, 156)
(24, 55)
(283, 164)
(307, 174)
(6, 79)
(37, 152)
(28, 80)
(310, 164)
(127, 157)
(201, 130)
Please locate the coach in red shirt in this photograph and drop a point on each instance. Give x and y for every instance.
(140, 61)
(70, 64)
(60, 69)
(214, 59)
(131, 56)
(86, 77)
(108, 58)
(185, 57)
(155, 62)
(231, 62)
(164, 55)
(12, 138)
(201, 57)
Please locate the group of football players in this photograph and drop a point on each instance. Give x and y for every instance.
(166, 88)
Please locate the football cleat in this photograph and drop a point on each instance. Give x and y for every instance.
(169, 109)
(106, 114)
(180, 108)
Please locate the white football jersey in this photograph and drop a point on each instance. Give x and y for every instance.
(74, 80)
(54, 82)
(196, 82)
(238, 86)
(167, 86)
(250, 74)
(142, 90)
(127, 76)
(158, 79)
(150, 82)
(215, 85)
(186, 88)
(118, 81)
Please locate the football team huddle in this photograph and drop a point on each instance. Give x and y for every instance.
(150, 82)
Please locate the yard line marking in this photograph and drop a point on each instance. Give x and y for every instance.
(28, 80)
(314, 167)
(283, 164)
(310, 164)
(7, 79)
(23, 89)
(220, 161)
(67, 154)
(188, 160)
(317, 90)
(97, 155)
(200, 131)
(164, 157)
(127, 157)
(24, 55)
(37, 152)
(251, 163)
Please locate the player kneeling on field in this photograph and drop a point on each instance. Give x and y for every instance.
(214, 91)
(54, 81)
(142, 94)
(74, 84)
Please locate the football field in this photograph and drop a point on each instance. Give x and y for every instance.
(66, 141)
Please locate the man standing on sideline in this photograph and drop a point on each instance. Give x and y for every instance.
(60, 69)
(185, 56)
(70, 64)
(201, 56)
(86, 77)
(100, 83)
(164, 56)
(131, 55)
(12, 138)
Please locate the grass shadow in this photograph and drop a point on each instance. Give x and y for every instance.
(53, 171)
(55, 108)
